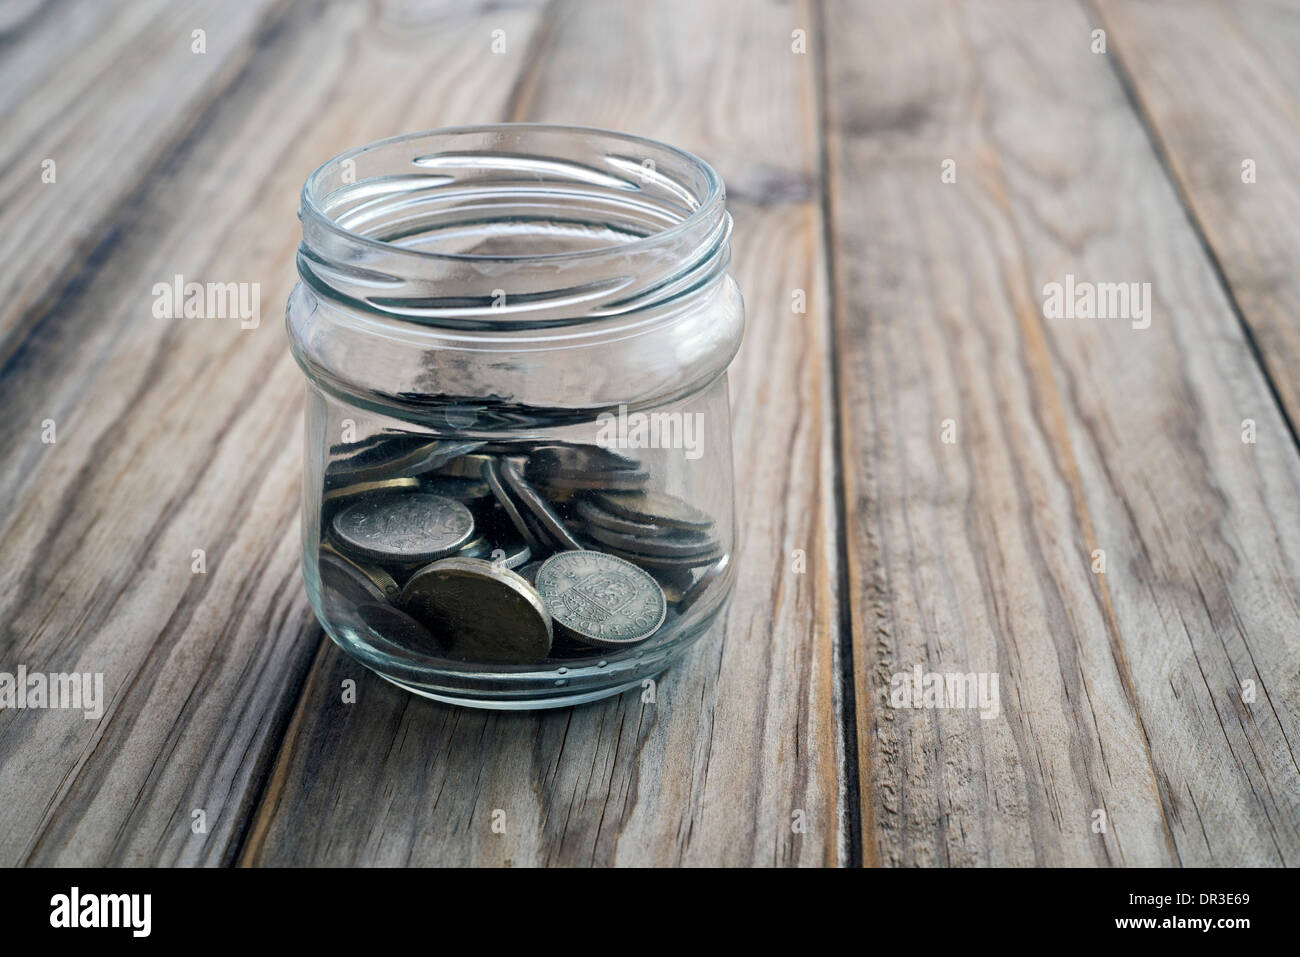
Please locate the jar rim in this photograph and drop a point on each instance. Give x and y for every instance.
(705, 208)
(444, 226)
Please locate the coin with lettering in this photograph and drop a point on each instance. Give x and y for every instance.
(483, 612)
(403, 527)
(600, 599)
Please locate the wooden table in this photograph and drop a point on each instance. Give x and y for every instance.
(932, 472)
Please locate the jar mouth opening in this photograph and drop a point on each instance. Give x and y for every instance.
(336, 188)
(484, 223)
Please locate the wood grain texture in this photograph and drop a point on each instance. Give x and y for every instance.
(103, 91)
(1164, 691)
(742, 740)
(1219, 86)
(1121, 691)
(174, 435)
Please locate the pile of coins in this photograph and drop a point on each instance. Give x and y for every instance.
(508, 553)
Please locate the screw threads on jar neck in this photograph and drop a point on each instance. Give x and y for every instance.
(517, 226)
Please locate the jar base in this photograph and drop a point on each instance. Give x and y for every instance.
(526, 704)
(564, 684)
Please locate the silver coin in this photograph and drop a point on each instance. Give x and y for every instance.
(655, 508)
(469, 491)
(658, 562)
(529, 572)
(398, 458)
(600, 599)
(659, 545)
(546, 518)
(613, 481)
(477, 547)
(404, 527)
(579, 459)
(492, 475)
(369, 454)
(483, 612)
(511, 555)
(593, 514)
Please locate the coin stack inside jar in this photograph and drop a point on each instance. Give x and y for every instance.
(508, 553)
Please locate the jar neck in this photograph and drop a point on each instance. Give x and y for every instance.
(517, 226)
(526, 274)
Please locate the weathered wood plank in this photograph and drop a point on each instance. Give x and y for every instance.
(175, 435)
(744, 732)
(1219, 85)
(1122, 691)
(100, 91)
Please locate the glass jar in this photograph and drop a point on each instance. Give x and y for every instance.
(518, 480)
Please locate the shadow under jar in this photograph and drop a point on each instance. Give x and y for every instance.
(518, 477)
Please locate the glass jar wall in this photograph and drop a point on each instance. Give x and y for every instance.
(518, 481)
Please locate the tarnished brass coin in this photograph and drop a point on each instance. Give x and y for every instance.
(403, 527)
(397, 627)
(355, 460)
(466, 466)
(369, 488)
(350, 582)
(484, 612)
(601, 599)
(654, 508)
